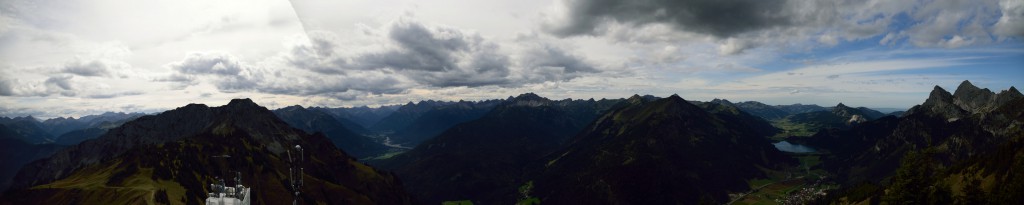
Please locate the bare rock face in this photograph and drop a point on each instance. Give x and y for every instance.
(972, 98)
(856, 119)
(981, 100)
(941, 102)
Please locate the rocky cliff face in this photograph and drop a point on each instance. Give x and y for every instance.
(977, 100)
(940, 103)
(967, 100)
(954, 129)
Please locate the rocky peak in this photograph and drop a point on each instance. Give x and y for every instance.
(1006, 96)
(939, 95)
(243, 102)
(845, 111)
(636, 99)
(721, 101)
(293, 107)
(1012, 90)
(677, 101)
(940, 102)
(528, 99)
(966, 86)
(973, 99)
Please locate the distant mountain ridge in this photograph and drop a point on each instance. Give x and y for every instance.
(313, 121)
(35, 131)
(362, 116)
(27, 129)
(440, 118)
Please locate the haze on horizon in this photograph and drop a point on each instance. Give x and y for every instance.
(75, 58)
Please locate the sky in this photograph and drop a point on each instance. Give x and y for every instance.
(82, 57)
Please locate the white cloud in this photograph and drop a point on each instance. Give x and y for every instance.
(1011, 23)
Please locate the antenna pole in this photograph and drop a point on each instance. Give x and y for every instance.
(296, 178)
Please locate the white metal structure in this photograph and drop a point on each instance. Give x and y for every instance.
(224, 195)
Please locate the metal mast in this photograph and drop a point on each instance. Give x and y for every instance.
(295, 171)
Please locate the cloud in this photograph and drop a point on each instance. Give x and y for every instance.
(90, 68)
(439, 56)
(738, 25)
(218, 63)
(223, 70)
(229, 75)
(1011, 23)
(422, 48)
(734, 46)
(718, 18)
(59, 84)
(316, 52)
(6, 88)
(544, 62)
(96, 68)
(114, 95)
(62, 82)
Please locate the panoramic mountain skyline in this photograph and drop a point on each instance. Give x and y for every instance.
(959, 147)
(76, 58)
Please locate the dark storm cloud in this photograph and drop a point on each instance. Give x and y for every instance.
(721, 18)
(419, 48)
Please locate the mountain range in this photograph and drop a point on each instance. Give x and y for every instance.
(312, 121)
(964, 147)
(934, 151)
(26, 139)
(663, 151)
(484, 159)
(174, 154)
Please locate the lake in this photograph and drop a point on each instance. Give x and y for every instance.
(785, 146)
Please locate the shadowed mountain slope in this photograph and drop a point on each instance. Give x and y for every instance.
(176, 154)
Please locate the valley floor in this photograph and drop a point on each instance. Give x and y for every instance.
(791, 186)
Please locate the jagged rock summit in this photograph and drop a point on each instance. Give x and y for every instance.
(966, 100)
